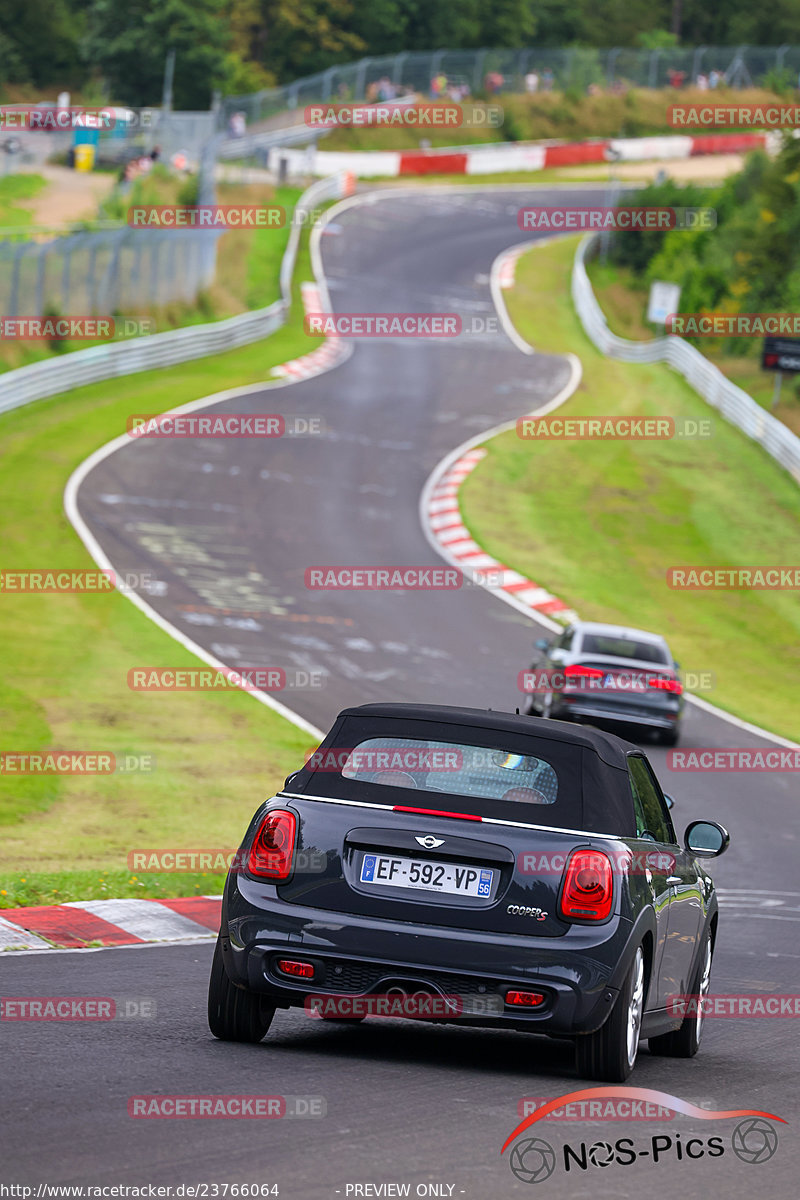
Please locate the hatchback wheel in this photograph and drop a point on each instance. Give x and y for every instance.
(610, 1052)
(235, 1014)
(684, 1042)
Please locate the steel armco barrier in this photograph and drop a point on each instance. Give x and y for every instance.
(732, 402)
(113, 359)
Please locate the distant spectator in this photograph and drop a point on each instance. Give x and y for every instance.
(714, 78)
(493, 82)
(547, 80)
(237, 125)
(386, 89)
(532, 82)
(702, 83)
(675, 78)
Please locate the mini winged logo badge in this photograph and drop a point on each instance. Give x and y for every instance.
(429, 841)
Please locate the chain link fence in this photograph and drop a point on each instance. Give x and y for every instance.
(503, 71)
(105, 272)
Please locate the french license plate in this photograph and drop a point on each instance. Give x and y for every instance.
(391, 871)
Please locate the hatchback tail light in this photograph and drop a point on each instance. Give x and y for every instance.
(666, 683)
(273, 846)
(588, 886)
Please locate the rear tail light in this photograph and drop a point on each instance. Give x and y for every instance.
(273, 846)
(525, 999)
(665, 683)
(291, 966)
(576, 674)
(588, 886)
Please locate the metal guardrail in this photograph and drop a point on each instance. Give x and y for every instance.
(114, 359)
(733, 402)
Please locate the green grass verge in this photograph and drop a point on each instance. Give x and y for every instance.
(598, 523)
(623, 299)
(14, 191)
(65, 659)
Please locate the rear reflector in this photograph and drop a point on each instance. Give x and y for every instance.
(273, 846)
(588, 886)
(524, 999)
(664, 683)
(291, 966)
(436, 812)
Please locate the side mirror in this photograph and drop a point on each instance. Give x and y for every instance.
(542, 644)
(706, 839)
(669, 800)
(676, 665)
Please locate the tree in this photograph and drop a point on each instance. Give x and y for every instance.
(129, 44)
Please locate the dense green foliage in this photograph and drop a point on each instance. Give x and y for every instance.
(238, 45)
(749, 263)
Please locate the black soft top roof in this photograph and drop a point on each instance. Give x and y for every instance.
(612, 749)
(594, 791)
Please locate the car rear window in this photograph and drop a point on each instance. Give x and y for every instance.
(455, 768)
(618, 647)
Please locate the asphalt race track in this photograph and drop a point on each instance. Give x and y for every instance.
(232, 525)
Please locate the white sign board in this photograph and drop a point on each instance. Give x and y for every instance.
(664, 300)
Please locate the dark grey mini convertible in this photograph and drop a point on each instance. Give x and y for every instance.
(479, 867)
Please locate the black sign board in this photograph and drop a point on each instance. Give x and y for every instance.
(781, 354)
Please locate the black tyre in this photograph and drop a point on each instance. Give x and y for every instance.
(235, 1014)
(610, 1052)
(668, 737)
(684, 1042)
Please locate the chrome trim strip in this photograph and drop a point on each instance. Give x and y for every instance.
(607, 837)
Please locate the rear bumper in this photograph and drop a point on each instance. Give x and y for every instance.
(626, 714)
(579, 974)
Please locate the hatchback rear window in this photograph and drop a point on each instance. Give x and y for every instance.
(456, 768)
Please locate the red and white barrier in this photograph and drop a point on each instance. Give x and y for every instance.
(524, 156)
